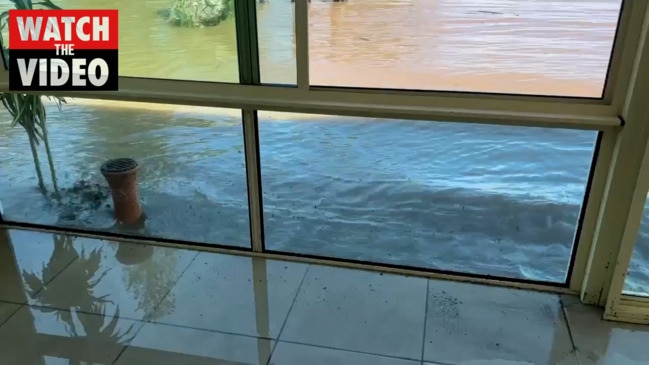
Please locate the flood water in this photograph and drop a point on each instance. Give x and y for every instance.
(556, 47)
(481, 199)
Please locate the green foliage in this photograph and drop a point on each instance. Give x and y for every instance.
(20, 5)
(28, 110)
(200, 13)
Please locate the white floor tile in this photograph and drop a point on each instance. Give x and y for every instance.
(600, 342)
(294, 354)
(29, 260)
(359, 311)
(131, 277)
(474, 324)
(234, 294)
(33, 334)
(339, 316)
(170, 345)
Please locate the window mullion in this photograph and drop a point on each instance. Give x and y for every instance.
(247, 42)
(626, 190)
(302, 43)
(249, 74)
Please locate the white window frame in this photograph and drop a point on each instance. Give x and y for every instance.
(615, 115)
(629, 184)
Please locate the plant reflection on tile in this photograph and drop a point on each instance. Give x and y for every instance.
(82, 297)
(75, 313)
(95, 326)
(84, 300)
(148, 278)
(136, 276)
(78, 324)
(64, 253)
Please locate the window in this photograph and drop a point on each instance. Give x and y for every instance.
(276, 37)
(518, 47)
(191, 180)
(173, 40)
(397, 142)
(481, 199)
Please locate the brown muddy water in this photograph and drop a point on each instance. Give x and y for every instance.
(556, 47)
(468, 198)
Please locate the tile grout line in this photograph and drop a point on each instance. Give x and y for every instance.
(564, 310)
(38, 306)
(423, 340)
(297, 292)
(209, 330)
(146, 318)
(289, 342)
(239, 334)
(20, 306)
(142, 324)
(354, 351)
(27, 302)
(6, 301)
(38, 292)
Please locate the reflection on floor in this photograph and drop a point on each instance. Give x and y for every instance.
(66, 299)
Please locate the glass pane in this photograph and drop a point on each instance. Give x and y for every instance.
(170, 39)
(276, 38)
(549, 47)
(637, 279)
(480, 199)
(191, 181)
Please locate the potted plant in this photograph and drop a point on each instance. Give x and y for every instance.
(28, 110)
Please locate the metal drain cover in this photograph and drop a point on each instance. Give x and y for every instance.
(119, 165)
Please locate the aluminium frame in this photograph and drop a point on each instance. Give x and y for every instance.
(591, 273)
(624, 208)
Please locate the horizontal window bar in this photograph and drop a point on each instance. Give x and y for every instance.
(451, 108)
(465, 94)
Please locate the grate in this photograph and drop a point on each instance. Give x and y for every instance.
(119, 165)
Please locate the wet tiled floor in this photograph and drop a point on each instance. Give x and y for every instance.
(74, 300)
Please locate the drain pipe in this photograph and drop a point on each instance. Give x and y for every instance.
(121, 175)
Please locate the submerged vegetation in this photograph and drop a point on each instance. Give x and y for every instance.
(202, 13)
(199, 13)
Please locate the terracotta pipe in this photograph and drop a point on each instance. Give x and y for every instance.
(121, 175)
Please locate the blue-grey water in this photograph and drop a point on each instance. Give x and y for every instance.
(464, 197)
(473, 198)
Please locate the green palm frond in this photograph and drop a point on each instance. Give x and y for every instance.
(29, 110)
(28, 4)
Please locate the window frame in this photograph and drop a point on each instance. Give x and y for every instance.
(622, 206)
(614, 115)
(634, 141)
